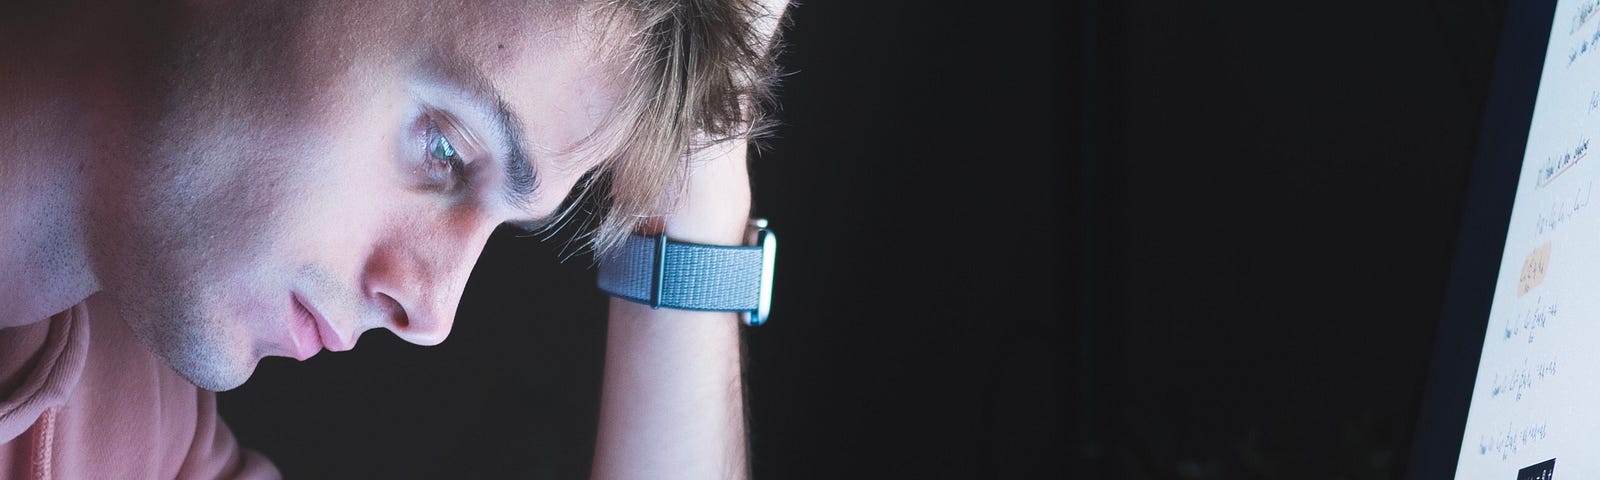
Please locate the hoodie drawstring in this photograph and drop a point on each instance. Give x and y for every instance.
(44, 433)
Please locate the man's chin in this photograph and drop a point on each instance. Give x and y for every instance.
(212, 371)
(219, 381)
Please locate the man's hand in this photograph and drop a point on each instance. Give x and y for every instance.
(715, 205)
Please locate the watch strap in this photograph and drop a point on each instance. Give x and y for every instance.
(661, 272)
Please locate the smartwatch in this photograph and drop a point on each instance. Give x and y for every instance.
(665, 273)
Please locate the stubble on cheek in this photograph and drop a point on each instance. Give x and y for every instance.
(192, 253)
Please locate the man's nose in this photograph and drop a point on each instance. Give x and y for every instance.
(415, 275)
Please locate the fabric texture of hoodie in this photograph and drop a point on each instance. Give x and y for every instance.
(76, 405)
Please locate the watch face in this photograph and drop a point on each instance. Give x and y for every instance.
(769, 259)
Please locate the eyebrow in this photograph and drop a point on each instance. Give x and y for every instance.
(522, 179)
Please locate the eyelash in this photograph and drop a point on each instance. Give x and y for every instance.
(439, 149)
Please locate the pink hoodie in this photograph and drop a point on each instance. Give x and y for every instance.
(75, 405)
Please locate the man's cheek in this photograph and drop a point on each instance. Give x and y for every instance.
(335, 221)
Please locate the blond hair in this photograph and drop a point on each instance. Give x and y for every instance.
(701, 74)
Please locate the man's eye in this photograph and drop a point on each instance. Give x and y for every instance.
(445, 161)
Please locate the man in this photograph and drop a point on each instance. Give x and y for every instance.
(191, 186)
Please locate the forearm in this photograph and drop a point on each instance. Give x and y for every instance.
(672, 404)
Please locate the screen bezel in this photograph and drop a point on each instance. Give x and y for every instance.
(1480, 241)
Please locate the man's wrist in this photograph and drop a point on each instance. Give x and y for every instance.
(707, 255)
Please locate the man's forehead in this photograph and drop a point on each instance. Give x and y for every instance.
(564, 94)
(562, 83)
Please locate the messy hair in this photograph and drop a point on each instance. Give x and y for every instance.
(701, 73)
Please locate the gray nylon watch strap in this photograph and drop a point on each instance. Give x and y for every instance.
(693, 276)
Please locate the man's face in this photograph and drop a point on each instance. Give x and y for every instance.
(324, 168)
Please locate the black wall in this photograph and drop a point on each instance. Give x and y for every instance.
(1268, 198)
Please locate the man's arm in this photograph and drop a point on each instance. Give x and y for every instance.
(673, 404)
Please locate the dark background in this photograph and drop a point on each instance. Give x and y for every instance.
(1084, 239)
(1267, 198)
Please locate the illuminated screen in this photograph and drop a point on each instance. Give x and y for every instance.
(1535, 404)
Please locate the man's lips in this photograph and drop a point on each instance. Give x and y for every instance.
(326, 334)
(312, 333)
(304, 332)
